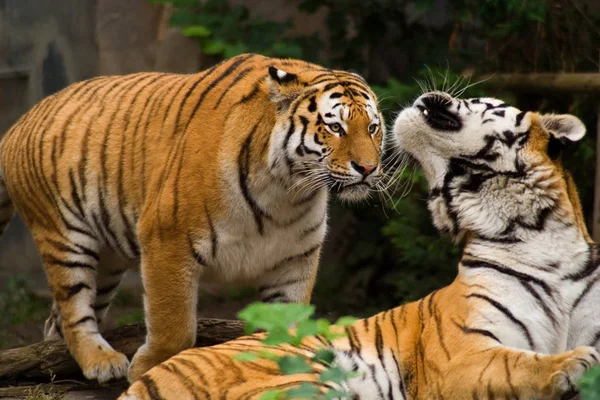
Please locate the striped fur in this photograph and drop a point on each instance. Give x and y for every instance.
(520, 320)
(220, 177)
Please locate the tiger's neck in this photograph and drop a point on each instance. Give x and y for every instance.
(523, 216)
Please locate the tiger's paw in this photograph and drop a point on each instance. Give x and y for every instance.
(572, 368)
(143, 360)
(105, 365)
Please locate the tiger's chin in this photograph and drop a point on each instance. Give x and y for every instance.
(354, 193)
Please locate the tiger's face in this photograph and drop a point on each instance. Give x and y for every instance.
(479, 133)
(334, 131)
(492, 169)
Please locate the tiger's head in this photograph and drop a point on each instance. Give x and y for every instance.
(492, 168)
(330, 131)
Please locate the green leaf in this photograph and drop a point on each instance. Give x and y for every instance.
(268, 355)
(323, 326)
(304, 391)
(246, 357)
(589, 384)
(197, 31)
(345, 321)
(278, 336)
(306, 328)
(333, 374)
(324, 356)
(235, 49)
(213, 47)
(271, 394)
(290, 365)
(276, 315)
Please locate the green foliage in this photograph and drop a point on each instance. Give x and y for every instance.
(226, 30)
(18, 304)
(277, 320)
(589, 385)
(133, 317)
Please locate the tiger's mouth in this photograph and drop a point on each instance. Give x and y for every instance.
(351, 192)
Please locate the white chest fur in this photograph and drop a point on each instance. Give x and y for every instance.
(255, 236)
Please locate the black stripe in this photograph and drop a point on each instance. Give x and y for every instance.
(107, 289)
(72, 290)
(73, 228)
(519, 118)
(197, 256)
(214, 240)
(596, 339)
(508, 314)
(295, 257)
(51, 260)
(472, 331)
(214, 83)
(590, 267)
(286, 142)
(189, 384)
(293, 281)
(379, 340)
(85, 319)
(75, 195)
(438, 325)
(101, 306)
(244, 172)
(540, 302)
(79, 249)
(513, 393)
(585, 291)
(304, 122)
(151, 388)
(270, 298)
(506, 271)
(238, 78)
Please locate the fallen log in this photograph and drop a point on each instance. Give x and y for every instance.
(48, 361)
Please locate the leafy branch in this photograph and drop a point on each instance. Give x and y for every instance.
(277, 320)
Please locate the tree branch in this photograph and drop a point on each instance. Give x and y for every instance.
(42, 362)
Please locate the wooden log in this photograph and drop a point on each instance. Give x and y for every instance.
(42, 362)
(545, 83)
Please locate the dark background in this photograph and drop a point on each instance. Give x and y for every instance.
(379, 253)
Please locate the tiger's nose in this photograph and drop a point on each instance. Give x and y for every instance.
(363, 168)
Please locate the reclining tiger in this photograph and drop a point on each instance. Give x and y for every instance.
(519, 321)
(219, 178)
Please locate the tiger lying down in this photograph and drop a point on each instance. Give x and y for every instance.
(520, 320)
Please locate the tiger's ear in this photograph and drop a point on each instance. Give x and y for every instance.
(284, 86)
(564, 127)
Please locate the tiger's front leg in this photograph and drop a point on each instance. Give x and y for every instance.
(502, 373)
(170, 277)
(291, 280)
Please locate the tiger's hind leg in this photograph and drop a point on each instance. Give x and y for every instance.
(71, 269)
(111, 270)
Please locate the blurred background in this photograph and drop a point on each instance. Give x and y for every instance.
(379, 253)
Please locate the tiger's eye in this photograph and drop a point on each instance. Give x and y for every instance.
(373, 128)
(335, 127)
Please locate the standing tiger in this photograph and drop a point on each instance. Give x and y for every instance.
(220, 177)
(521, 319)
